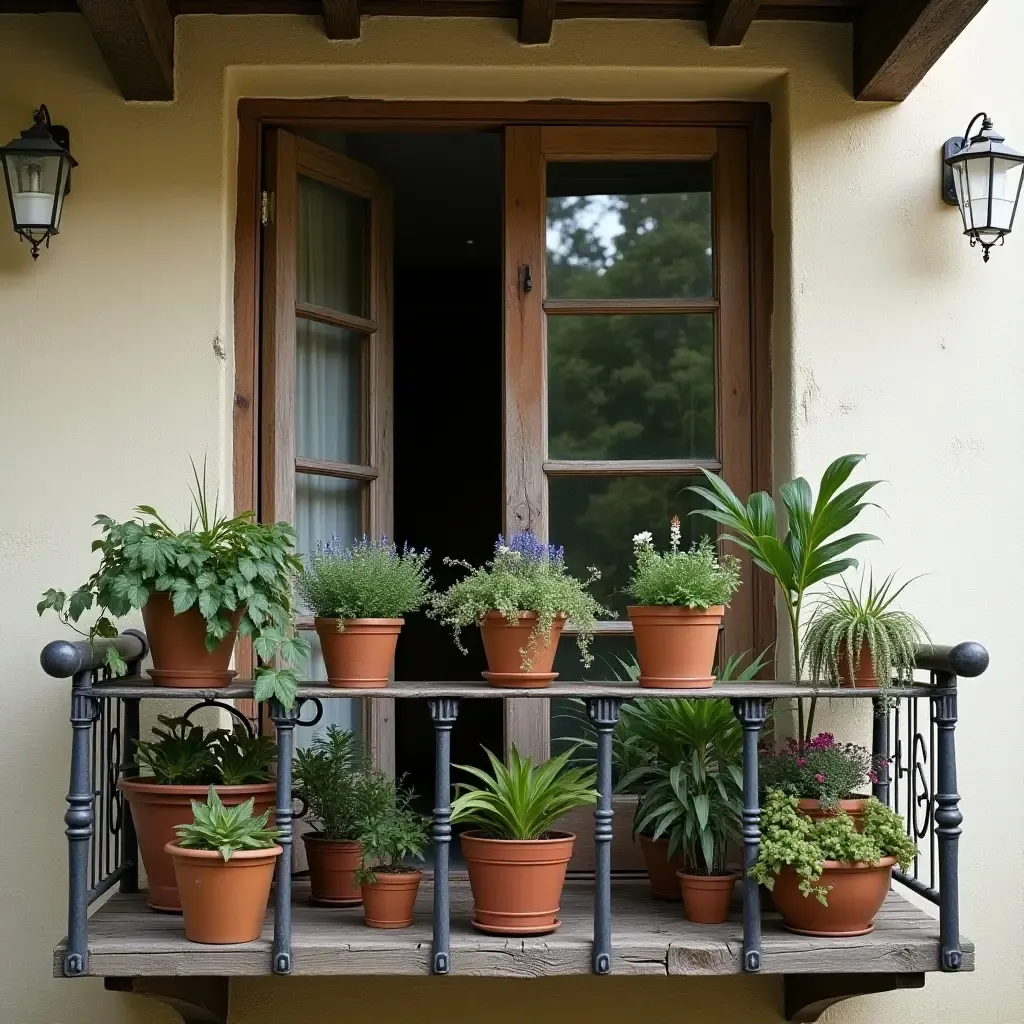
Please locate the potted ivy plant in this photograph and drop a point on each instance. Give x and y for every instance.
(197, 589)
(516, 860)
(822, 774)
(857, 637)
(224, 861)
(826, 878)
(390, 835)
(358, 596)
(681, 598)
(521, 600)
(181, 761)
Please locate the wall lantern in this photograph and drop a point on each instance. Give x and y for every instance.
(983, 177)
(37, 170)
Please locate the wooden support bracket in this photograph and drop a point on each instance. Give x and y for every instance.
(196, 1000)
(807, 996)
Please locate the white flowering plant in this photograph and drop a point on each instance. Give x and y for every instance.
(697, 578)
(525, 575)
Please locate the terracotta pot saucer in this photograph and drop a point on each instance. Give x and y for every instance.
(520, 680)
(491, 930)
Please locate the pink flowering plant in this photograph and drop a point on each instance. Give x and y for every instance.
(821, 769)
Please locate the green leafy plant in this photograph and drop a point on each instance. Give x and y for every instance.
(846, 620)
(820, 769)
(243, 759)
(791, 839)
(369, 580)
(523, 801)
(697, 578)
(525, 575)
(391, 834)
(222, 566)
(226, 829)
(811, 550)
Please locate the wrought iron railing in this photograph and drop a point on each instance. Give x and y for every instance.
(913, 740)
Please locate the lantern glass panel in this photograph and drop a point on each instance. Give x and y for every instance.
(34, 182)
(1005, 186)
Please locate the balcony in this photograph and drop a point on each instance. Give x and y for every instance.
(610, 925)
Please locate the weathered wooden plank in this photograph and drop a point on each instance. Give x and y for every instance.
(341, 18)
(729, 20)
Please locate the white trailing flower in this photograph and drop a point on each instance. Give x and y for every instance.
(643, 540)
(676, 533)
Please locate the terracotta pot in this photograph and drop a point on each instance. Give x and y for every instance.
(223, 901)
(706, 898)
(660, 870)
(178, 646)
(361, 655)
(863, 676)
(158, 808)
(854, 807)
(675, 647)
(856, 894)
(389, 902)
(332, 870)
(516, 884)
(503, 644)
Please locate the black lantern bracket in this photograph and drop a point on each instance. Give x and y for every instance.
(950, 148)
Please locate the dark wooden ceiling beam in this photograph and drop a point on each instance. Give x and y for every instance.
(729, 20)
(895, 43)
(536, 18)
(136, 38)
(341, 19)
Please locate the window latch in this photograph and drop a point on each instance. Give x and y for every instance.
(527, 280)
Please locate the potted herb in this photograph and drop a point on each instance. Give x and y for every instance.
(334, 779)
(520, 599)
(859, 639)
(845, 871)
(358, 596)
(516, 860)
(198, 589)
(224, 862)
(822, 774)
(390, 835)
(681, 598)
(182, 761)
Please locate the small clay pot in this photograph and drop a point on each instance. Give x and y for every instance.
(389, 901)
(178, 646)
(360, 656)
(856, 894)
(675, 647)
(158, 808)
(854, 807)
(863, 675)
(660, 870)
(223, 901)
(503, 644)
(706, 898)
(517, 884)
(332, 870)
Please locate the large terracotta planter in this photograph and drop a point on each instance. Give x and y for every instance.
(389, 902)
(360, 656)
(856, 894)
(332, 871)
(863, 675)
(854, 807)
(675, 647)
(706, 898)
(223, 901)
(517, 884)
(178, 646)
(660, 870)
(157, 809)
(504, 643)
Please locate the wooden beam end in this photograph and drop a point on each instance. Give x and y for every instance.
(341, 19)
(729, 20)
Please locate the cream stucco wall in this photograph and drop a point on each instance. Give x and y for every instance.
(890, 337)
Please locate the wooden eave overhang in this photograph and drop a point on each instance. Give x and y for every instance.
(895, 42)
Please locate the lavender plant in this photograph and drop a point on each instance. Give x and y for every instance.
(369, 580)
(525, 575)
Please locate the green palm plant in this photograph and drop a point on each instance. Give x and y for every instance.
(810, 552)
(226, 829)
(523, 801)
(846, 619)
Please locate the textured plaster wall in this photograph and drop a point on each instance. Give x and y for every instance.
(890, 337)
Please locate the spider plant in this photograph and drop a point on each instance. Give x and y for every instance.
(846, 619)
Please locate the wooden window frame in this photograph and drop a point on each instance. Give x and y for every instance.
(747, 126)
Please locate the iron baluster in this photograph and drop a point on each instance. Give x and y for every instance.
(751, 711)
(880, 750)
(443, 713)
(284, 720)
(947, 822)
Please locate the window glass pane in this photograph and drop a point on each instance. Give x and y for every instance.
(631, 387)
(333, 248)
(596, 518)
(326, 507)
(629, 229)
(328, 392)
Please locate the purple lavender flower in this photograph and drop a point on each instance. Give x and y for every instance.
(525, 543)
